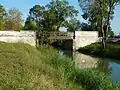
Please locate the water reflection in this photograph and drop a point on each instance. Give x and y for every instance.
(84, 61)
(109, 66)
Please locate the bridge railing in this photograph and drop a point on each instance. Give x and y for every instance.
(54, 34)
(57, 35)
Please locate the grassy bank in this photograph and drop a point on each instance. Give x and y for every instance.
(23, 67)
(111, 50)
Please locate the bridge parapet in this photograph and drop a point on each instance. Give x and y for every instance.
(84, 38)
(28, 37)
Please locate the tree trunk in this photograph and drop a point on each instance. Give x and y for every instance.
(101, 25)
(108, 21)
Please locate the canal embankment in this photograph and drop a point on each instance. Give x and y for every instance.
(25, 67)
(112, 50)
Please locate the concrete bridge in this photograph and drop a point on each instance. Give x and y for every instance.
(80, 38)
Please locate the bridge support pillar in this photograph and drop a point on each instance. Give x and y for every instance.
(74, 45)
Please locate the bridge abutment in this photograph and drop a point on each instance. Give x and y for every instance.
(84, 38)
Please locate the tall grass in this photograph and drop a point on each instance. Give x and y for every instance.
(23, 67)
(89, 79)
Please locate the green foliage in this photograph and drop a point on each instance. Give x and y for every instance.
(85, 27)
(13, 20)
(112, 50)
(51, 16)
(94, 80)
(30, 25)
(90, 12)
(111, 34)
(72, 24)
(2, 17)
(61, 11)
(99, 13)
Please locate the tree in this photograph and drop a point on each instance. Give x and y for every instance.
(14, 19)
(2, 17)
(72, 24)
(111, 34)
(99, 13)
(30, 25)
(61, 10)
(53, 15)
(85, 27)
(37, 15)
(110, 11)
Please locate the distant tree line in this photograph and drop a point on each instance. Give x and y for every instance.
(11, 19)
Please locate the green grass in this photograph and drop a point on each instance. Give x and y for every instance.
(23, 67)
(111, 50)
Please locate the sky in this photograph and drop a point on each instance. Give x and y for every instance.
(25, 5)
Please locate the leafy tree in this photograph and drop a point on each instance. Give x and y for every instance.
(111, 34)
(85, 27)
(2, 17)
(72, 24)
(110, 11)
(61, 10)
(53, 15)
(37, 15)
(30, 25)
(14, 19)
(99, 13)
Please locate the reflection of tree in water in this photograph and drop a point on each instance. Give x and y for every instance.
(84, 61)
(92, 62)
(89, 62)
(103, 66)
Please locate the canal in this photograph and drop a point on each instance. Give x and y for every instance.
(110, 67)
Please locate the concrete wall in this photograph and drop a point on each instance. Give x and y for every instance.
(15, 36)
(84, 38)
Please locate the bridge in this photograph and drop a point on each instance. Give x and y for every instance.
(80, 38)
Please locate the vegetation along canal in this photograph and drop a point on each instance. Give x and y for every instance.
(110, 67)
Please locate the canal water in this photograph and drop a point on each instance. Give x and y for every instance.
(110, 67)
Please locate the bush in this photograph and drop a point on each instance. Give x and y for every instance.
(94, 80)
